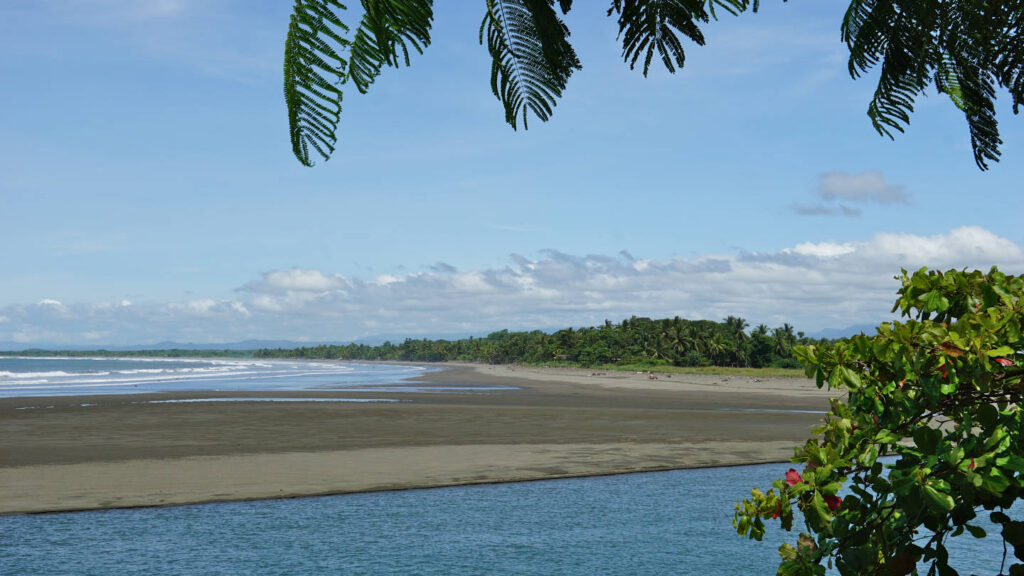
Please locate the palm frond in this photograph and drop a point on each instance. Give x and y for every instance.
(388, 30)
(967, 49)
(1009, 50)
(312, 69)
(907, 68)
(531, 56)
(646, 26)
(734, 7)
(973, 61)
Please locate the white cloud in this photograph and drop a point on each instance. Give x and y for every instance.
(240, 308)
(811, 285)
(864, 187)
(200, 307)
(822, 249)
(296, 280)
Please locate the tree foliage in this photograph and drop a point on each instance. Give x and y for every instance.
(633, 342)
(941, 392)
(965, 50)
(312, 58)
(531, 56)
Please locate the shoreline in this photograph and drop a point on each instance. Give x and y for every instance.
(558, 423)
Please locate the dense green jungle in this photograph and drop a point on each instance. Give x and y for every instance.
(632, 342)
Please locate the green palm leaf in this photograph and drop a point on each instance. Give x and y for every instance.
(387, 31)
(646, 26)
(884, 31)
(315, 63)
(1009, 61)
(312, 69)
(967, 49)
(531, 56)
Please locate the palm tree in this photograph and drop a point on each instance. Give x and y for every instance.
(717, 348)
(962, 49)
(735, 327)
(784, 340)
(680, 339)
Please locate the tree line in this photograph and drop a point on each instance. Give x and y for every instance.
(634, 341)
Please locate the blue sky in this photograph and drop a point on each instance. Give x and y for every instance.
(148, 190)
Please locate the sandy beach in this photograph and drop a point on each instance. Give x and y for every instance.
(90, 452)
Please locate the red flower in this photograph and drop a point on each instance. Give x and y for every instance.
(945, 374)
(834, 502)
(793, 477)
(778, 510)
(971, 465)
(1003, 361)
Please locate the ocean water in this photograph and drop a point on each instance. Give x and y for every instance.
(81, 376)
(652, 523)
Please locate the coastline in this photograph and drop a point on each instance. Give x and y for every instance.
(558, 422)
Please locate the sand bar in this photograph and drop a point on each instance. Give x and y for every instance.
(89, 452)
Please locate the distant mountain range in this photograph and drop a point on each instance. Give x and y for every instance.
(169, 345)
(833, 333)
(243, 345)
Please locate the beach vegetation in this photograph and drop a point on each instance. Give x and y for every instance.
(939, 392)
(669, 344)
(968, 51)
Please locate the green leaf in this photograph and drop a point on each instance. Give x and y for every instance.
(1015, 463)
(388, 30)
(934, 301)
(1013, 532)
(937, 501)
(994, 481)
(976, 531)
(849, 378)
(1001, 351)
(312, 69)
(531, 58)
(655, 25)
(987, 416)
(927, 439)
(967, 52)
(817, 513)
(869, 456)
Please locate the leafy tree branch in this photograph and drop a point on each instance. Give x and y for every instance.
(969, 51)
(942, 393)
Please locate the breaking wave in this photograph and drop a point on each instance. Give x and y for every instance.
(71, 376)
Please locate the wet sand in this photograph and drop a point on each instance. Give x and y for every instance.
(89, 452)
